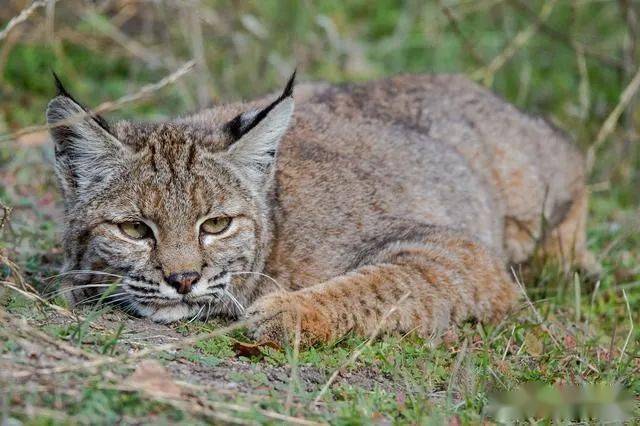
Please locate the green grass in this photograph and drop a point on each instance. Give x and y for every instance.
(249, 48)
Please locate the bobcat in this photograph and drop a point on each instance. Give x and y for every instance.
(414, 192)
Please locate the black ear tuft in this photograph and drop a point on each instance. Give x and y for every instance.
(59, 87)
(242, 123)
(64, 92)
(288, 89)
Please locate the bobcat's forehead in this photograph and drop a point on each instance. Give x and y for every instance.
(173, 175)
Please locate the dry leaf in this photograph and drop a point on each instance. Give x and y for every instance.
(252, 349)
(151, 377)
(450, 338)
(401, 399)
(569, 342)
(455, 421)
(533, 345)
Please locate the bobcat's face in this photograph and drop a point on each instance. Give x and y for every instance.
(178, 211)
(176, 223)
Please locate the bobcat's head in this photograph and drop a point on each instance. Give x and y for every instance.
(177, 212)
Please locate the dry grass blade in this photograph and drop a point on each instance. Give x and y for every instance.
(487, 73)
(626, 342)
(14, 272)
(35, 297)
(267, 413)
(533, 309)
(587, 48)
(609, 124)
(543, 325)
(128, 358)
(23, 328)
(197, 408)
(229, 406)
(456, 368)
(455, 25)
(137, 49)
(6, 214)
(219, 410)
(356, 354)
(293, 378)
(109, 105)
(23, 16)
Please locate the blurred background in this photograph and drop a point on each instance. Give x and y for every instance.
(574, 62)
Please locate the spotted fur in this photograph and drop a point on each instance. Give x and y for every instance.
(420, 189)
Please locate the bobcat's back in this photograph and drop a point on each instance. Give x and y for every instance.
(432, 150)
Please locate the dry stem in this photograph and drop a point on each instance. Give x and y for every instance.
(23, 16)
(145, 91)
(609, 124)
(487, 73)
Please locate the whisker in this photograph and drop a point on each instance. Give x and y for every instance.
(208, 311)
(98, 297)
(235, 301)
(115, 301)
(262, 275)
(129, 308)
(196, 315)
(60, 291)
(225, 302)
(83, 271)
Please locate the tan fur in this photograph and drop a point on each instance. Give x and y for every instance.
(422, 185)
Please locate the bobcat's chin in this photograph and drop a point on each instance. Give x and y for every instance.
(170, 313)
(189, 308)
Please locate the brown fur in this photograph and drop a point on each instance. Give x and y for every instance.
(421, 185)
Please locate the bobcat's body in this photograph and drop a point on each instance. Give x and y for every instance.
(412, 193)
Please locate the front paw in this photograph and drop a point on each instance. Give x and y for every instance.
(277, 317)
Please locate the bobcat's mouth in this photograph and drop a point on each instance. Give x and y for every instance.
(165, 305)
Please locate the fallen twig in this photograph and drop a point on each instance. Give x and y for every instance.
(24, 327)
(609, 124)
(128, 358)
(455, 25)
(107, 106)
(23, 16)
(31, 295)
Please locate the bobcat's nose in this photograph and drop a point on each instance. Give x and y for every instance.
(182, 281)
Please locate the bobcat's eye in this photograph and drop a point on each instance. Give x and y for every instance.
(215, 225)
(135, 230)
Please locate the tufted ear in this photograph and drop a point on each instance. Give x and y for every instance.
(87, 154)
(256, 134)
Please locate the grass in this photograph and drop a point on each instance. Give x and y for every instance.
(572, 70)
